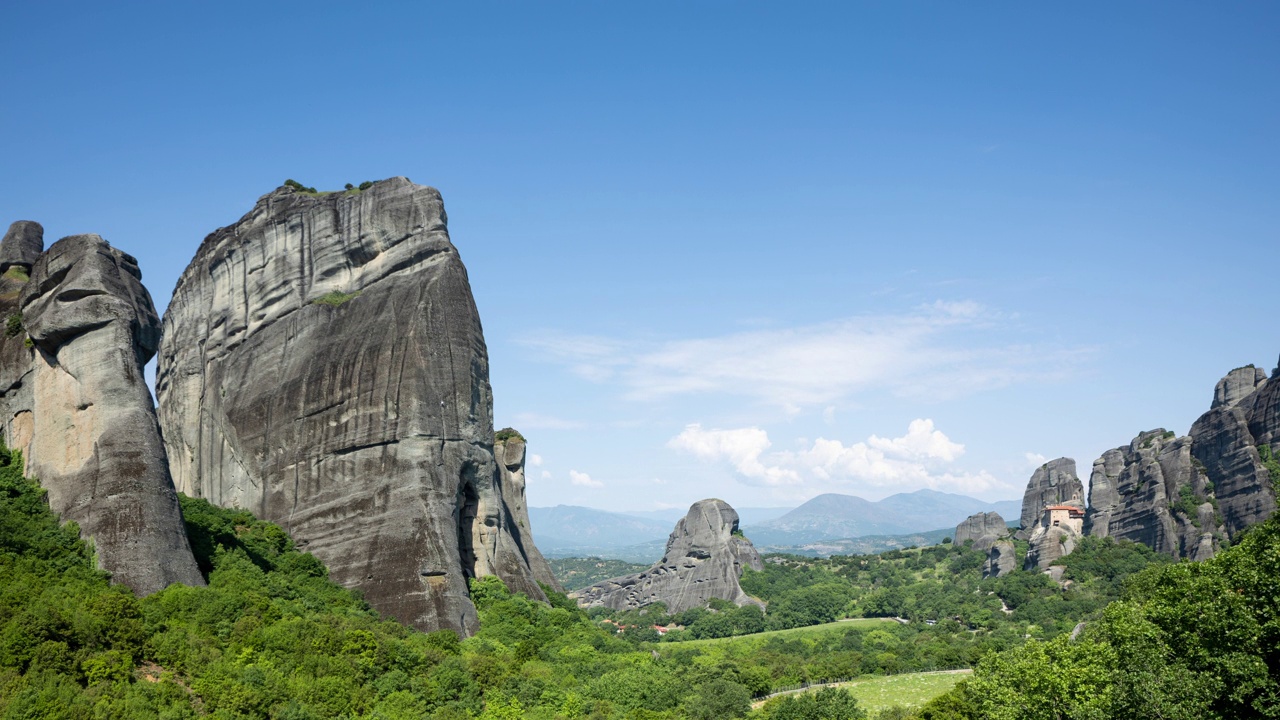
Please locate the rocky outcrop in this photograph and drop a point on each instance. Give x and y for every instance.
(509, 451)
(1053, 483)
(75, 402)
(983, 529)
(1002, 559)
(705, 556)
(22, 245)
(1047, 544)
(1237, 385)
(1235, 444)
(323, 365)
(1154, 492)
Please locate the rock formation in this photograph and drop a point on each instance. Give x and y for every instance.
(1002, 559)
(1235, 443)
(323, 366)
(983, 529)
(1053, 483)
(1154, 492)
(509, 451)
(22, 245)
(705, 556)
(75, 401)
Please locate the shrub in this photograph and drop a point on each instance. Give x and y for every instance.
(300, 187)
(506, 434)
(13, 325)
(335, 298)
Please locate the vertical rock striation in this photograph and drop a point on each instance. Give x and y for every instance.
(323, 365)
(1155, 493)
(705, 556)
(1053, 483)
(75, 401)
(509, 451)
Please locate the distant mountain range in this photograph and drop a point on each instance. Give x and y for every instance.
(834, 517)
(828, 524)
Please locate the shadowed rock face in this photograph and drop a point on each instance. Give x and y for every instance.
(1054, 483)
(323, 365)
(705, 556)
(1137, 493)
(22, 245)
(510, 455)
(983, 529)
(1002, 559)
(1229, 441)
(88, 428)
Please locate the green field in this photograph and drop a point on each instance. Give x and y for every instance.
(907, 690)
(793, 633)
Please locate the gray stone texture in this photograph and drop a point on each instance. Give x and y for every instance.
(1228, 443)
(1002, 559)
(323, 365)
(21, 245)
(1048, 544)
(79, 408)
(1053, 483)
(983, 529)
(510, 456)
(1237, 385)
(704, 558)
(1137, 491)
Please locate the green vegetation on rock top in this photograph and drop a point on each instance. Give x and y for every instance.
(506, 434)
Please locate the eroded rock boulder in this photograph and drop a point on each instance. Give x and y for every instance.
(1053, 483)
(983, 529)
(1002, 559)
(82, 413)
(22, 245)
(509, 451)
(705, 556)
(323, 365)
(1237, 385)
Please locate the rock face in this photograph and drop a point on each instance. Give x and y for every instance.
(1154, 492)
(22, 245)
(983, 529)
(1237, 385)
(1235, 443)
(323, 365)
(1053, 483)
(705, 556)
(1048, 544)
(509, 451)
(1002, 559)
(78, 407)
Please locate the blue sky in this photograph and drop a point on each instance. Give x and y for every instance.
(747, 250)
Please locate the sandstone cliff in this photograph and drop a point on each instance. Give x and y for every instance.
(984, 529)
(75, 402)
(1154, 492)
(1053, 483)
(1002, 559)
(705, 556)
(509, 451)
(323, 365)
(1235, 444)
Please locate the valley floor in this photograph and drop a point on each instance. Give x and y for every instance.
(876, 693)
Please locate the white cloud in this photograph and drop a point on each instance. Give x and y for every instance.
(829, 415)
(941, 350)
(546, 474)
(920, 441)
(583, 480)
(910, 462)
(740, 447)
(1035, 460)
(535, 460)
